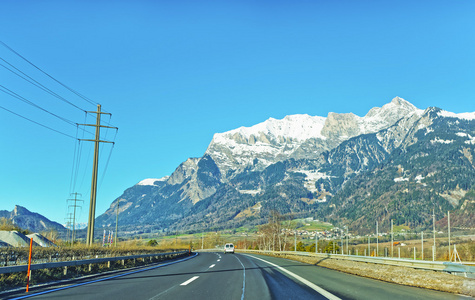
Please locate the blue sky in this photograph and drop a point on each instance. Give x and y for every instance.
(173, 73)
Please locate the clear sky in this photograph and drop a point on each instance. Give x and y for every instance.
(173, 73)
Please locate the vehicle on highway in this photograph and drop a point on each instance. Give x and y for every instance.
(228, 248)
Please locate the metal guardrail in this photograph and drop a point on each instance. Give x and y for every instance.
(60, 264)
(449, 267)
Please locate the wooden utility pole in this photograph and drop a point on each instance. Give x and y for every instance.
(92, 204)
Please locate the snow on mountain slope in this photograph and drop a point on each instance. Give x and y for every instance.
(380, 118)
(294, 127)
(151, 181)
(467, 116)
(299, 136)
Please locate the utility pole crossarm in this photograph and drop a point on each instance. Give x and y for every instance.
(102, 126)
(99, 112)
(100, 141)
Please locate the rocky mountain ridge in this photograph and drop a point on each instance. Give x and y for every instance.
(34, 222)
(297, 165)
(298, 136)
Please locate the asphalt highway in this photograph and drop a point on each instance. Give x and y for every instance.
(232, 276)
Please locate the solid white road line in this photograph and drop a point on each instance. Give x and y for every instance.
(313, 286)
(190, 280)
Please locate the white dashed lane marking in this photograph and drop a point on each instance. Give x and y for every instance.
(190, 280)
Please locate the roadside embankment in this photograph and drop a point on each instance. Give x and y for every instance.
(428, 279)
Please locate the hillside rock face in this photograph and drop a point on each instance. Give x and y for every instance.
(305, 165)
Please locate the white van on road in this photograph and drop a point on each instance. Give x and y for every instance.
(228, 248)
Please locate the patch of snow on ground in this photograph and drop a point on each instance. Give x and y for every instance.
(437, 140)
(311, 178)
(250, 192)
(400, 179)
(419, 178)
(471, 139)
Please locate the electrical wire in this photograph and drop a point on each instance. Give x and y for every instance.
(19, 97)
(37, 84)
(76, 166)
(78, 151)
(105, 168)
(39, 69)
(15, 95)
(108, 159)
(74, 160)
(65, 134)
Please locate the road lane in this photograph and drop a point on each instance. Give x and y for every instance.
(140, 285)
(240, 276)
(347, 286)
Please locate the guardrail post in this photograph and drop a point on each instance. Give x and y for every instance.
(109, 264)
(90, 267)
(65, 272)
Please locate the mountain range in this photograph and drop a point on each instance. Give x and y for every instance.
(27, 220)
(397, 162)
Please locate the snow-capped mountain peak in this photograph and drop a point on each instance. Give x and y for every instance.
(295, 127)
(299, 136)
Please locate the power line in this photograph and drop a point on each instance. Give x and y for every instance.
(105, 168)
(65, 134)
(37, 84)
(39, 69)
(15, 95)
